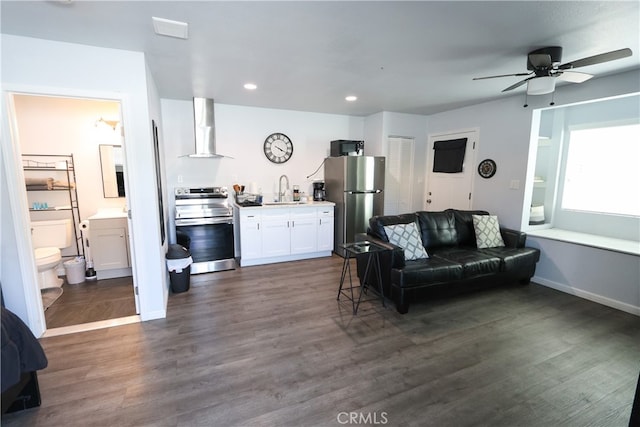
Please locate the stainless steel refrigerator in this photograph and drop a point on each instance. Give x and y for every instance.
(356, 185)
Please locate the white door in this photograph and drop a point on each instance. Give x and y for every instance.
(399, 176)
(451, 190)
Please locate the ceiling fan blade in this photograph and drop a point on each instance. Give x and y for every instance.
(502, 75)
(520, 83)
(574, 76)
(540, 60)
(597, 59)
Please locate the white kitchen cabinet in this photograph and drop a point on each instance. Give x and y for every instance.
(325, 230)
(278, 234)
(109, 246)
(251, 235)
(303, 229)
(276, 239)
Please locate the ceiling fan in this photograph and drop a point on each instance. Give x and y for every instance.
(545, 68)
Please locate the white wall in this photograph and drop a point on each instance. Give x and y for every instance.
(77, 70)
(607, 277)
(240, 134)
(155, 114)
(505, 133)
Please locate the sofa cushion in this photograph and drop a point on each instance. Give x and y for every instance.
(514, 260)
(474, 262)
(426, 271)
(464, 226)
(487, 230)
(377, 224)
(407, 237)
(438, 229)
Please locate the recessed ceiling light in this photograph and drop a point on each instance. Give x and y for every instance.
(351, 98)
(167, 27)
(250, 86)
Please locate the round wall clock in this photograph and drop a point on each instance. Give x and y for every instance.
(487, 168)
(278, 147)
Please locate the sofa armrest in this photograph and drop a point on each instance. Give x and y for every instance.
(513, 238)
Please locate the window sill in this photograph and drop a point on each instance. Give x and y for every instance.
(618, 245)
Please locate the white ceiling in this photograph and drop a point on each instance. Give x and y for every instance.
(412, 57)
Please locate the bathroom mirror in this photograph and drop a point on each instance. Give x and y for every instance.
(111, 163)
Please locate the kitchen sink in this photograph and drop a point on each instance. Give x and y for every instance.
(280, 203)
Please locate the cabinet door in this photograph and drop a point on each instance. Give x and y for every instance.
(325, 229)
(276, 240)
(303, 230)
(250, 236)
(109, 248)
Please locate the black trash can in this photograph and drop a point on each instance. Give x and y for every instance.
(179, 265)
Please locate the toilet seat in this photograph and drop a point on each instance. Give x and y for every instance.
(47, 256)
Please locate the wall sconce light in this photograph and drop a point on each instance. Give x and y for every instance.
(110, 123)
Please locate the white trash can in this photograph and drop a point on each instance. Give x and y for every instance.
(75, 270)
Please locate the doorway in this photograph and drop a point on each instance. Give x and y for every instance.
(450, 184)
(48, 126)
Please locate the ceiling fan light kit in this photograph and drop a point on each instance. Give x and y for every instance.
(541, 85)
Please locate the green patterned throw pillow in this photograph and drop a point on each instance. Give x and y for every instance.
(407, 237)
(487, 231)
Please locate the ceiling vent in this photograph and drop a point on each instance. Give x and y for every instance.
(169, 28)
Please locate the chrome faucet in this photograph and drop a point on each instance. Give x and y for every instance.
(281, 193)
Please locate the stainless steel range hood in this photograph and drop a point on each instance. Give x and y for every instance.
(205, 129)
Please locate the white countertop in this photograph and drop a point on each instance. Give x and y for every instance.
(288, 205)
(108, 214)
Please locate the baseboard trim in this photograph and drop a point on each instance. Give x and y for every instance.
(92, 326)
(622, 306)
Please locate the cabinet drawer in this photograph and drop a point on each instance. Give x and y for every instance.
(249, 218)
(325, 213)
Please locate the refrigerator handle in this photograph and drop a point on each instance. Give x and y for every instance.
(364, 192)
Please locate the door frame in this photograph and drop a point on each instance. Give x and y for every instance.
(431, 138)
(18, 199)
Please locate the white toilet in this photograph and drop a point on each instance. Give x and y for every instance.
(48, 238)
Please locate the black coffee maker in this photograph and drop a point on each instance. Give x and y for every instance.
(318, 191)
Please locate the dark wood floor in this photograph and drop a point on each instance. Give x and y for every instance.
(92, 301)
(270, 346)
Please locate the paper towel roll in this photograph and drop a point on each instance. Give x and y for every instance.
(253, 188)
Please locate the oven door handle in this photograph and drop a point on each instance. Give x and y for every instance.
(203, 221)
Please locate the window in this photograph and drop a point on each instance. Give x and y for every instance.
(601, 174)
(586, 174)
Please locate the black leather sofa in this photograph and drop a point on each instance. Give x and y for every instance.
(454, 258)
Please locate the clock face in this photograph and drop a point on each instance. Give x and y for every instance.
(487, 168)
(278, 148)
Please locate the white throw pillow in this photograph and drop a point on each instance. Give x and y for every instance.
(407, 237)
(487, 231)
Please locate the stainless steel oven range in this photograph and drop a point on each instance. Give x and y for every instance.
(206, 217)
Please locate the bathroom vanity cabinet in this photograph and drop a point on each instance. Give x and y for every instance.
(109, 246)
